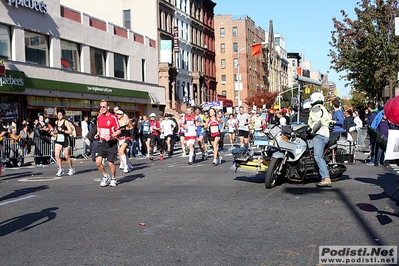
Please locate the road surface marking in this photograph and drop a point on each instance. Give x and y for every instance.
(11, 201)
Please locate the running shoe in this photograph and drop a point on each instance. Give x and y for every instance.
(215, 161)
(105, 180)
(71, 172)
(113, 182)
(220, 160)
(126, 169)
(152, 158)
(60, 172)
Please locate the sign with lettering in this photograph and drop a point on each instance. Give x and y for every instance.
(176, 42)
(12, 81)
(31, 4)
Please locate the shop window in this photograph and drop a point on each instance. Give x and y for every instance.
(5, 42)
(36, 48)
(70, 55)
(97, 61)
(120, 66)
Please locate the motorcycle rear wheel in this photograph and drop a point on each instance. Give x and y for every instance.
(272, 176)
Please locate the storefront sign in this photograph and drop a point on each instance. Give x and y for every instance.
(166, 51)
(176, 42)
(99, 89)
(31, 4)
(12, 81)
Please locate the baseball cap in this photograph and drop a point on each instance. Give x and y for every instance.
(153, 115)
(119, 112)
(284, 111)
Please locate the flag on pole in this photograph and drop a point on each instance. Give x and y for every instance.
(256, 49)
(299, 71)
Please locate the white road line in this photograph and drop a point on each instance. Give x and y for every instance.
(11, 201)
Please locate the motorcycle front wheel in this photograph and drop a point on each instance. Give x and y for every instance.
(272, 174)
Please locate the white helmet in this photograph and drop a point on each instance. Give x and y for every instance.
(316, 97)
(307, 104)
(153, 115)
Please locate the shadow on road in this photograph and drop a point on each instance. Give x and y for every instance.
(21, 192)
(130, 178)
(373, 236)
(382, 216)
(27, 221)
(19, 175)
(259, 178)
(387, 182)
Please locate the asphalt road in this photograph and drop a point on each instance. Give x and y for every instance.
(194, 215)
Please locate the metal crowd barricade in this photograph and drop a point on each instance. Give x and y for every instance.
(11, 153)
(14, 154)
(361, 138)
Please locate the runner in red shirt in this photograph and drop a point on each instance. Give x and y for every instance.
(107, 131)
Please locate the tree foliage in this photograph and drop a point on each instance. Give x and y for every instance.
(259, 98)
(366, 49)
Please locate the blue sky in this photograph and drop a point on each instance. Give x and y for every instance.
(305, 25)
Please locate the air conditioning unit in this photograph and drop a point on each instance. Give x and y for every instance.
(206, 46)
(223, 82)
(255, 69)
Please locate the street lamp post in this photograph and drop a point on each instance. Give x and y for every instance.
(279, 97)
(238, 81)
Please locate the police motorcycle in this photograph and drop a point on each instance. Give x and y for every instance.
(292, 155)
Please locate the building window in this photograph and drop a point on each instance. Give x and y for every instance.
(222, 48)
(221, 32)
(5, 42)
(36, 48)
(235, 32)
(143, 70)
(120, 66)
(223, 78)
(235, 62)
(235, 47)
(223, 63)
(126, 19)
(224, 93)
(70, 55)
(97, 61)
(277, 41)
(293, 63)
